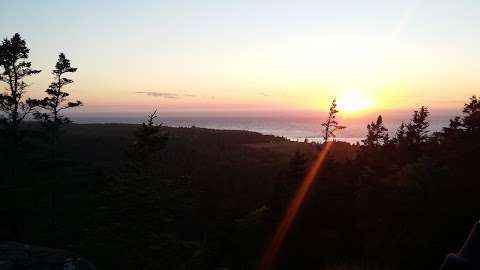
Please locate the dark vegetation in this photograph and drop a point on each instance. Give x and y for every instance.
(154, 197)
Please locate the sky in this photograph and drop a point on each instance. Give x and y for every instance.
(219, 56)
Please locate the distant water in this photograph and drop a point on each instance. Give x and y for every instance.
(293, 127)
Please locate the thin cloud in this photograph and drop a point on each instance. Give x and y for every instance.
(159, 94)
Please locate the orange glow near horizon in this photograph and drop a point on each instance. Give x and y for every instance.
(292, 211)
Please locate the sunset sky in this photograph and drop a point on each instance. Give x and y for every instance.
(255, 55)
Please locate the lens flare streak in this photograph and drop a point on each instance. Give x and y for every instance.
(292, 210)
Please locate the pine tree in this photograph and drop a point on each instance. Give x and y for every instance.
(14, 107)
(331, 125)
(148, 143)
(471, 118)
(376, 134)
(417, 129)
(138, 212)
(454, 128)
(470, 121)
(13, 59)
(400, 134)
(57, 101)
(52, 119)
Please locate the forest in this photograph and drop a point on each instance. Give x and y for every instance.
(155, 197)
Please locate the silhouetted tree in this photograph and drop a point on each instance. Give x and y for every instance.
(454, 128)
(371, 153)
(471, 111)
(13, 55)
(57, 101)
(376, 134)
(400, 134)
(466, 124)
(417, 129)
(137, 212)
(147, 145)
(14, 107)
(52, 119)
(331, 124)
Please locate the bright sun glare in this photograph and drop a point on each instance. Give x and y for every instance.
(353, 101)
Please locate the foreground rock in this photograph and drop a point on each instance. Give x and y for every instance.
(16, 256)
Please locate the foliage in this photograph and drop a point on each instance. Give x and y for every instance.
(56, 100)
(376, 134)
(331, 125)
(148, 143)
(14, 106)
(417, 129)
(13, 59)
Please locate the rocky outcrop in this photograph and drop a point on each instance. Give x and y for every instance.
(469, 256)
(17, 256)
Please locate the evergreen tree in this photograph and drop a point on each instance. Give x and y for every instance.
(331, 125)
(13, 59)
(454, 129)
(376, 134)
(57, 101)
(469, 122)
(137, 212)
(417, 129)
(374, 147)
(52, 120)
(147, 145)
(14, 107)
(401, 134)
(471, 118)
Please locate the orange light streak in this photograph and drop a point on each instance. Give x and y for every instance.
(292, 210)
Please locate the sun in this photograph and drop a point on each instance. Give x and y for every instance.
(353, 101)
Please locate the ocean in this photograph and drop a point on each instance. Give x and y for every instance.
(293, 126)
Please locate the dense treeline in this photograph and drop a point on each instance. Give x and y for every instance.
(154, 197)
